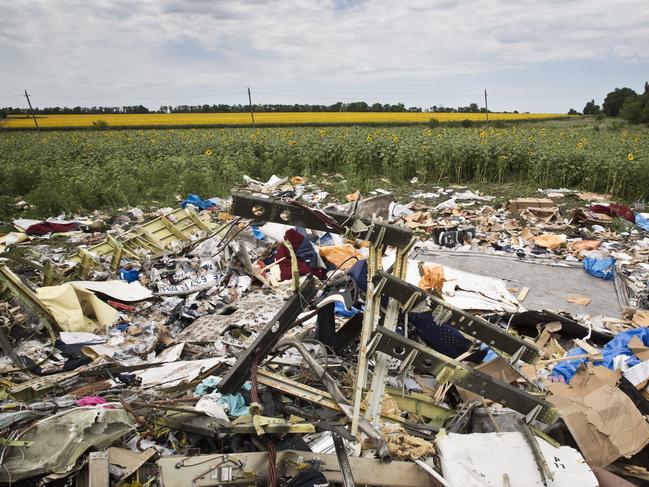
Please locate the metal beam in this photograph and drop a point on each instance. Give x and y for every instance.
(271, 209)
(380, 373)
(448, 370)
(473, 326)
(418, 404)
(269, 336)
(343, 460)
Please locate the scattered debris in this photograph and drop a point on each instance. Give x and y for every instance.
(286, 338)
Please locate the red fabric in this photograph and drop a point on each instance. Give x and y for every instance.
(295, 238)
(44, 228)
(615, 210)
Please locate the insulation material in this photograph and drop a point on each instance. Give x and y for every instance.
(403, 446)
(432, 277)
(342, 256)
(76, 309)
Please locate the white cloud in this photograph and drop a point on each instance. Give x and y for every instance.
(87, 52)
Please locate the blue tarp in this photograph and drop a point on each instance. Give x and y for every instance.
(568, 368)
(603, 268)
(642, 222)
(618, 346)
(194, 199)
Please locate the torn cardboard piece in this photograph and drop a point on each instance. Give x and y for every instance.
(550, 241)
(578, 299)
(639, 349)
(602, 419)
(519, 204)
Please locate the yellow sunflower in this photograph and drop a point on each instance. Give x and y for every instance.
(629, 156)
(208, 152)
(579, 145)
(369, 137)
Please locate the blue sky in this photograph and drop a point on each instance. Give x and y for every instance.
(538, 56)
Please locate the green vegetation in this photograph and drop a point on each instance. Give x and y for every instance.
(68, 171)
(624, 103)
(636, 107)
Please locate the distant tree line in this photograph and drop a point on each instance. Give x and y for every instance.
(357, 106)
(621, 102)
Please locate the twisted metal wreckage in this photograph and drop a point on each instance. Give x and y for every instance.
(384, 351)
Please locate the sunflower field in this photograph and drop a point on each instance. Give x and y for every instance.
(180, 120)
(69, 171)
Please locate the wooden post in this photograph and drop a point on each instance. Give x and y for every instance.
(31, 110)
(252, 113)
(486, 108)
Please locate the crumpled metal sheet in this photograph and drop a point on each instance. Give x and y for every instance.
(60, 440)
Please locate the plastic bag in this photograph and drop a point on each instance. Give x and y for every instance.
(604, 268)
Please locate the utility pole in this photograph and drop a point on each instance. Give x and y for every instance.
(252, 113)
(486, 107)
(31, 110)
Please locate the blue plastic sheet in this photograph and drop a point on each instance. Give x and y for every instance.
(604, 268)
(642, 222)
(258, 233)
(568, 368)
(129, 275)
(340, 310)
(194, 199)
(618, 346)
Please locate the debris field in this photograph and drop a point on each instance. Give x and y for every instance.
(284, 337)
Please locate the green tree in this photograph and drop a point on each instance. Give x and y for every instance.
(615, 99)
(572, 111)
(591, 108)
(636, 107)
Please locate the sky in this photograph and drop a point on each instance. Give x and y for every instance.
(539, 56)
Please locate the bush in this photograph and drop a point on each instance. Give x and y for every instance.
(433, 123)
(100, 124)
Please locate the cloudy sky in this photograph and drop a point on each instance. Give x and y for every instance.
(540, 56)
